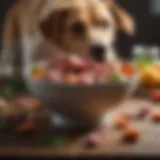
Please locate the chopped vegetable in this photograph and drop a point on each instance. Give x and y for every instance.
(17, 84)
(71, 79)
(156, 117)
(121, 122)
(26, 127)
(38, 73)
(6, 127)
(116, 78)
(156, 95)
(59, 142)
(131, 135)
(128, 70)
(29, 103)
(144, 61)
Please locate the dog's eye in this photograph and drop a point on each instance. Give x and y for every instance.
(105, 24)
(78, 28)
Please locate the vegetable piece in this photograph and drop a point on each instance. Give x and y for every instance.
(128, 70)
(6, 127)
(121, 122)
(38, 73)
(143, 61)
(156, 117)
(116, 78)
(26, 127)
(150, 76)
(71, 79)
(17, 85)
(155, 95)
(59, 142)
(131, 135)
(29, 103)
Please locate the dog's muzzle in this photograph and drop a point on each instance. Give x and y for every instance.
(98, 52)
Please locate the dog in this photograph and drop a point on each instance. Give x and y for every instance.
(83, 27)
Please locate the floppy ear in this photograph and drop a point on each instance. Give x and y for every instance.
(53, 26)
(124, 21)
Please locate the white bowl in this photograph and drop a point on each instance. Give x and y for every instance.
(80, 104)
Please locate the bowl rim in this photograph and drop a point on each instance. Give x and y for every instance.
(76, 86)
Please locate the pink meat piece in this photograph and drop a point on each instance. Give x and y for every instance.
(102, 72)
(79, 63)
(87, 78)
(55, 75)
(60, 63)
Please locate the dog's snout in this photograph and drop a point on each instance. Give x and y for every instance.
(98, 52)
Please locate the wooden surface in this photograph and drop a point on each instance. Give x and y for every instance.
(36, 144)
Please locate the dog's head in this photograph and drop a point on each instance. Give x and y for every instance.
(86, 27)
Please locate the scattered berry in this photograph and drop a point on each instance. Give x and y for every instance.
(156, 117)
(143, 113)
(94, 140)
(131, 135)
(156, 95)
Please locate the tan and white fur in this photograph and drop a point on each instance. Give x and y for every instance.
(70, 25)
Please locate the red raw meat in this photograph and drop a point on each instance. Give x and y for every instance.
(56, 76)
(87, 78)
(79, 64)
(102, 71)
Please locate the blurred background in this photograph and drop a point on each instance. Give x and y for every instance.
(147, 16)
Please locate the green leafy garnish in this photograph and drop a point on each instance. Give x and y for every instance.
(144, 61)
(17, 84)
(116, 78)
(4, 126)
(58, 142)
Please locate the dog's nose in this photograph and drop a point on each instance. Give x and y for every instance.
(98, 52)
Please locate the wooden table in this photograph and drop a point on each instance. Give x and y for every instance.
(36, 144)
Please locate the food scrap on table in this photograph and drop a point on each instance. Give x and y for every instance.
(94, 140)
(58, 142)
(143, 112)
(29, 103)
(155, 95)
(121, 122)
(131, 135)
(155, 117)
(26, 127)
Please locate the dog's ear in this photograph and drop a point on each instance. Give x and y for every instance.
(53, 26)
(124, 21)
